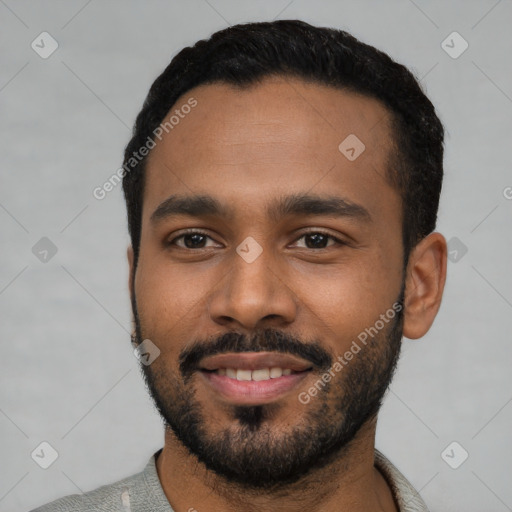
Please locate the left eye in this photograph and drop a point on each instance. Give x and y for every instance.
(318, 240)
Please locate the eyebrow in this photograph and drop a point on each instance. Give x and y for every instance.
(295, 204)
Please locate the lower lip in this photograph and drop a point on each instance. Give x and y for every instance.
(250, 392)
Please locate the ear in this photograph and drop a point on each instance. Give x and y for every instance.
(129, 254)
(424, 285)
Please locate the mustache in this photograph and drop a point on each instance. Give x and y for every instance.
(268, 340)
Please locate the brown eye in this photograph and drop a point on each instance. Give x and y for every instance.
(191, 240)
(319, 240)
(194, 241)
(316, 241)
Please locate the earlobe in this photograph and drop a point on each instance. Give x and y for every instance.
(424, 285)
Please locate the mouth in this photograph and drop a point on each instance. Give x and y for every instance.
(253, 378)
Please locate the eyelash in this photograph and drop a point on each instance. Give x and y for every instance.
(312, 232)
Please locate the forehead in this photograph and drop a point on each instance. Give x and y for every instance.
(280, 136)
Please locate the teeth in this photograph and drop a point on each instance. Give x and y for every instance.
(243, 375)
(256, 375)
(275, 372)
(263, 374)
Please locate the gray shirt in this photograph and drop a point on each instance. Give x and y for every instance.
(143, 493)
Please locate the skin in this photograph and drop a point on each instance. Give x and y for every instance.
(246, 148)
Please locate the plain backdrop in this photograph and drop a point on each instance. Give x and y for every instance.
(68, 376)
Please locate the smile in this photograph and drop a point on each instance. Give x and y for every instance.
(257, 375)
(253, 378)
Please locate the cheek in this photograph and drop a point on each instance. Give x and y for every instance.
(170, 299)
(346, 299)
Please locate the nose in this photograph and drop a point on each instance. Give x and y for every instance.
(253, 295)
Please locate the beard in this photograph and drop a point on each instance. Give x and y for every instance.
(253, 451)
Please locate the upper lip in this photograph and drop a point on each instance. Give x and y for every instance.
(255, 361)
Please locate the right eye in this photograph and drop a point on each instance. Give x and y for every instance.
(191, 240)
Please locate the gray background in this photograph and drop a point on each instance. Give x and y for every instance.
(68, 375)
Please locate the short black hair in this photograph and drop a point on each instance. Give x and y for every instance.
(245, 54)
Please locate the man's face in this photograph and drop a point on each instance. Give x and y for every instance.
(268, 287)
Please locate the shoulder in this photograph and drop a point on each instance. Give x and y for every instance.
(118, 496)
(112, 497)
(406, 496)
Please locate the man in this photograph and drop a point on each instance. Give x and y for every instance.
(282, 187)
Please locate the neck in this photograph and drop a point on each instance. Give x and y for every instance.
(351, 482)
